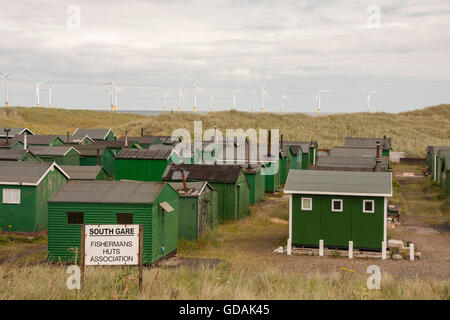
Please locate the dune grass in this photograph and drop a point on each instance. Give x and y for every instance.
(410, 131)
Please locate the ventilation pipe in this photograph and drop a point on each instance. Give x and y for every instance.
(7, 134)
(379, 158)
(248, 152)
(126, 139)
(269, 138)
(184, 180)
(68, 141)
(281, 143)
(98, 157)
(25, 141)
(142, 132)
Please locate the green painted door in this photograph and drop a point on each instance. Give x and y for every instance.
(306, 223)
(335, 225)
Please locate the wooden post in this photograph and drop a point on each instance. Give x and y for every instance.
(411, 251)
(141, 262)
(383, 250)
(321, 248)
(350, 249)
(82, 255)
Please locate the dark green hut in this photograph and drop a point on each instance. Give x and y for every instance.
(95, 134)
(228, 180)
(338, 207)
(17, 155)
(198, 208)
(86, 172)
(443, 169)
(25, 188)
(62, 155)
(111, 202)
(93, 155)
(433, 159)
(355, 142)
(38, 140)
(144, 164)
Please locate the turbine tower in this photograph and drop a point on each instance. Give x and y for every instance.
(112, 91)
(195, 95)
(6, 76)
(211, 106)
(263, 93)
(234, 92)
(318, 97)
(369, 97)
(116, 93)
(181, 98)
(38, 85)
(49, 89)
(165, 95)
(283, 98)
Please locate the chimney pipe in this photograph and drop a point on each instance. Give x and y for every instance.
(98, 157)
(7, 130)
(126, 139)
(215, 137)
(68, 141)
(269, 138)
(184, 180)
(25, 141)
(248, 153)
(142, 132)
(378, 159)
(281, 147)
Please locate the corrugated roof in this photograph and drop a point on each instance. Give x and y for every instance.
(353, 152)
(50, 151)
(82, 172)
(339, 183)
(108, 192)
(357, 142)
(193, 188)
(211, 173)
(96, 134)
(35, 139)
(74, 139)
(14, 131)
(24, 172)
(12, 154)
(90, 149)
(154, 152)
(144, 139)
(349, 162)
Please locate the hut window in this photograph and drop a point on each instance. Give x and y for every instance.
(124, 218)
(337, 205)
(368, 206)
(11, 196)
(306, 203)
(75, 217)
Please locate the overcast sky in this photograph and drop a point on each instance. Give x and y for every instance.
(226, 45)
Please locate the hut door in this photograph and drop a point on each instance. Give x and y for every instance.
(239, 201)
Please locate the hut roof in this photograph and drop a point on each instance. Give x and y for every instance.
(353, 152)
(343, 162)
(136, 192)
(12, 154)
(36, 139)
(143, 139)
(194, 188)
(51, 151)
(339, 183)
(210, 173)
(82, 172)
(14, 131)
(96, 134)
(25, 173)
(154, 152)
(356, 142)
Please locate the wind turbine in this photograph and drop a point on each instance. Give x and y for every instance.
(116, 93)
(49, 89)
(263, 93)
(283, 98)
(181, 98)
(38, 85)
(319, 92)
(234, 92)
(195, 95)
(112, 92)
(369, 98)
(6, 76)
(164, 96)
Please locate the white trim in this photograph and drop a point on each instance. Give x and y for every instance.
(332, 205)
(289, 243)
(12, 191)
(373, 205)
(21, 132)
(340, 193)
(108, 132)
(385, 220)
(52, 166)
(303, 208)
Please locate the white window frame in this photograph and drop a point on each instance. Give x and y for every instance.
(310, 201)
(7, 197)
(364, 206)
(332, 205)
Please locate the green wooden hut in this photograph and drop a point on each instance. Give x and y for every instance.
(25, 188)
(38, 140)
(17, 155)
(433, 159)
(111, 202)
(256, 182)
(356, 142)
(144, 141)
(86, 172)
(198, 208)
(95, 134)
(62, 155)
(144, 164)
(93, 155)
(340, 163)
(338, 207)
(228, 180)
(443, 169)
